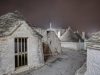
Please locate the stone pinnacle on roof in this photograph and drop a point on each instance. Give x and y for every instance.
(16, 11)
(19, 14)
(77, 31)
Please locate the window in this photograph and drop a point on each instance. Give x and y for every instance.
(20, 52)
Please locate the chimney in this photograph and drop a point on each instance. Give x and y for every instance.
(58, 34)
(50, 26)
(83, 35)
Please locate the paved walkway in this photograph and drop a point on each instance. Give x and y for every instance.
(65, 64)
(82, 70)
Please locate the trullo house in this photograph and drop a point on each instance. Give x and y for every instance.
(20, 45)
(69, 36)
(71, 41)
(93, 54)
(51, 42)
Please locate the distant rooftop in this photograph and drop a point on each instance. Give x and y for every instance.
(69, 36)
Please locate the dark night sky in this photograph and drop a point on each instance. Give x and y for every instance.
(82, 15)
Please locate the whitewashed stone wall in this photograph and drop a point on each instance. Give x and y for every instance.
(54, 42)
(73, 45)
(43, 32)
(4, 53)
(50, 37)
(93, 62)
(7, 55)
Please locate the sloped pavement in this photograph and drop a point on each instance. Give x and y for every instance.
(65, 64)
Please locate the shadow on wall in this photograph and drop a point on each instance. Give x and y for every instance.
(47, 52)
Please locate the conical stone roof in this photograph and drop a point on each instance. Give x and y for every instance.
(95, 37)
(8, 22)
(94, 41)
(69, 36)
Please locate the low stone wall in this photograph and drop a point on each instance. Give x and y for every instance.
(73, 45)
(93, 62)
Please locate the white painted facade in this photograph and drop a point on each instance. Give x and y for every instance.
(54, 42)
(73, 45)
(43, 32)
(93, 62)
(7, 53)
(93, 54)
(50, 37)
